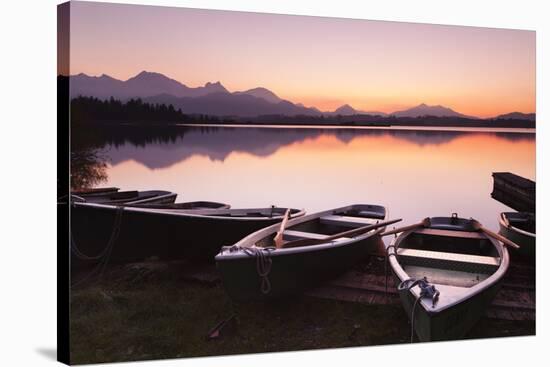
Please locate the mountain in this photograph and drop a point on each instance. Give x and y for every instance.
(215, 99)
(231, 104)
(144, 84)
(518, 116)
(262, 93)
(345, 110)
(425, 110)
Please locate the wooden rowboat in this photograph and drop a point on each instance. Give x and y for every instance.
(253, 269)
(129, 233)
(127, 197)
(447, 274)
(520, 228)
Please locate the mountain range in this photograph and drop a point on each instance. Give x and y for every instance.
(215, 99)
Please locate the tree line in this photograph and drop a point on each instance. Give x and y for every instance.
(92, 109)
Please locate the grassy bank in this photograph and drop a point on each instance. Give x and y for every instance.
(147, 312)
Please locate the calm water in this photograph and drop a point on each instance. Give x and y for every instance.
(414, 173)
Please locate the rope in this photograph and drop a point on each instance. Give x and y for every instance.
(263, 265)
(427, 290)
(104, 256)
(112, 238)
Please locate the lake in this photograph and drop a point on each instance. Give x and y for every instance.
(413, 172)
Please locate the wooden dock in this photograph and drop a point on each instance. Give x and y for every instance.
(366, 283)
(514, 191)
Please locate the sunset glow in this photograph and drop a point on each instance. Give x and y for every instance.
(321, 62)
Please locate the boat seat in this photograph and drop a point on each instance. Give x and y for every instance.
(371, 214)
(345, 221)
(448, 260)
(291, 235)
(450, 233)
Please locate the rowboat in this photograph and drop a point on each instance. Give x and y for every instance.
(190, 205)
(253, 269)
(130, 233)
(127, 197)
(447, 272)
(520, 228)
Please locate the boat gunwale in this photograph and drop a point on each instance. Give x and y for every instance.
(509, 226)
(262, 233)
(469, 293)
(193, 213)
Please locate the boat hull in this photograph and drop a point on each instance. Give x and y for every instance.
(143, 234)
(526, 242)
(294, 269)
(292, 273)
(466, 267)
(452, 323)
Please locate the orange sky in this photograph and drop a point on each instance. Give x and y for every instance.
(322, 62)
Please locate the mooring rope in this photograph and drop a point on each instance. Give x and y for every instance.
(263, 265)
(112, 238)
(427, 290)
(105, 254)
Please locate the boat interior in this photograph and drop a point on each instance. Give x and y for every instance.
(523, 221)
(448, 257)
(322, 227)
(185, 206)
(123, 196)
(251, 213)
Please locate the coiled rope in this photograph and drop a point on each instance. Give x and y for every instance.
(263, 265)
(427, 290)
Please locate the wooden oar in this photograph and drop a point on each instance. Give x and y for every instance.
(279, 236)
(425, 223)
(478, 227)
(352, 232)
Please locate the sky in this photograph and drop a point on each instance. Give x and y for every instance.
(317, 61)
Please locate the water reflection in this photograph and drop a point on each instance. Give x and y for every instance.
(413, 173)
(171, 145)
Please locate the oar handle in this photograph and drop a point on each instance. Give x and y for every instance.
(490, 233)
(279, 236)
(352, 232)
(499, 237)
(425, 223)
(359, 230)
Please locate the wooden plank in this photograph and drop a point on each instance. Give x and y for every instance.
(449, 233)
(449, 256)
(515, 305)
(345, 221)
(291, 235)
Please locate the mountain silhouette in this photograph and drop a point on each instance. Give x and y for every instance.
(347, 110)
(264, 94)
(144, 84)
(215, 99)
(518, 116)
(425, 110)
(230, 104)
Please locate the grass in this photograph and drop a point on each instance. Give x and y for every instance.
(139, 313)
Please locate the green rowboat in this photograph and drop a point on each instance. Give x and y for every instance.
(253, 269)
(447, 274)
